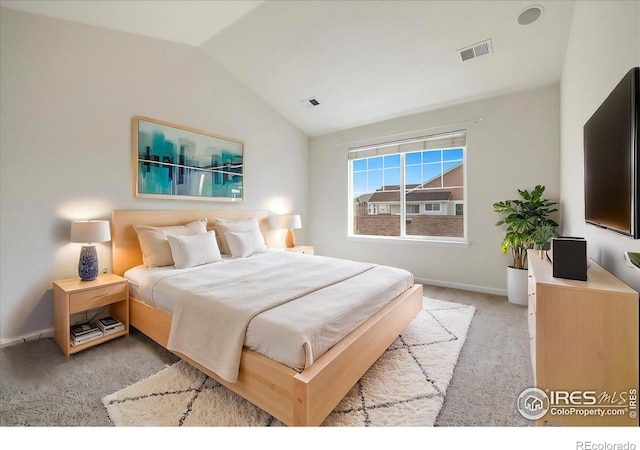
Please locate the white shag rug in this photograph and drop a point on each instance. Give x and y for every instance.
(405, 387)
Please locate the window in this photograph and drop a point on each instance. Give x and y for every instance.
(412, 188)
(431, 207)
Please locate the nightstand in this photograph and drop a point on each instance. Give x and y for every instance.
(72, 296)
(308, 249)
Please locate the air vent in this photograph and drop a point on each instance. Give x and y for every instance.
(475, 50)
(310, 102)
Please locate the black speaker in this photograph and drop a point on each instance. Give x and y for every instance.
(569, 258)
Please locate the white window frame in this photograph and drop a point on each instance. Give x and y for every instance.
(403, 237)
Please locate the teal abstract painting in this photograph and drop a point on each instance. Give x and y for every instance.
(177, 162)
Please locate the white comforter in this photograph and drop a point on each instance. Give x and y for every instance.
(301, 305)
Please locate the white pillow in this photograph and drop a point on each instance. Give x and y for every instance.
(194, 250)
(154, 245)
(235, 226)
(245, 243)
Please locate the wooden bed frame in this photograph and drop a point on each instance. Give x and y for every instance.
(295, 398)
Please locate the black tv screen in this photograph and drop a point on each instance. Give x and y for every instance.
(611, 166)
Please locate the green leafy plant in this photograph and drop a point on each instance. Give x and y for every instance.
(542, 234)
(528, 222)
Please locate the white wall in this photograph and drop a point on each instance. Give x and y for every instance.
(517, 145)
(68, 93)
(604, 44)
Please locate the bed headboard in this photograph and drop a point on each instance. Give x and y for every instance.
(125, 248)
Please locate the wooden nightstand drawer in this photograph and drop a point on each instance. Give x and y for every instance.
(94, 298)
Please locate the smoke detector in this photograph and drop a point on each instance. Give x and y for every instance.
(475, 50)
(529, 15)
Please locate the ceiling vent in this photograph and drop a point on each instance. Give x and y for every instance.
(475, 50)
(310, 102)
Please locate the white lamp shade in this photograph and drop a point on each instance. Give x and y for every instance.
(85, 231)
(291, 222)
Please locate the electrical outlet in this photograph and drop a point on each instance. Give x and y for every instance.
(104, 270)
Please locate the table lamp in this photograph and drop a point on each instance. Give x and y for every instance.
(88, 232)
(290, 222)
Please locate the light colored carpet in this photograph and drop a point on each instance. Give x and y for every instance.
(405, 387)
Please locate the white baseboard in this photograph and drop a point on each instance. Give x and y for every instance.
(464, 287)
(47, 333)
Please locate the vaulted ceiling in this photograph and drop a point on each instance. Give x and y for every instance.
(363, 61)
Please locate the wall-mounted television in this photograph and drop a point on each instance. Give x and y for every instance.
(611, 166)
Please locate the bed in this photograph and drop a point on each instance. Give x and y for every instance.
(297, 394)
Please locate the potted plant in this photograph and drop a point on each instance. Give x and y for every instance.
(542, 235)
(528, 224)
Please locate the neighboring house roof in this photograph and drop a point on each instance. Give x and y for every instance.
(456, 168)
(364, 198)
(417, 192)
(418, 195)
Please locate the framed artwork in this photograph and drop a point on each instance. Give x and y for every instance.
(181, 163)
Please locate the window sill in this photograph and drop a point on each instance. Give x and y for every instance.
(410, 241)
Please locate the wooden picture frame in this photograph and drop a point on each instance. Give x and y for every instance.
(180, 163)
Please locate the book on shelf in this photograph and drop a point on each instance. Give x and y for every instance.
(113, 330)
(76, 340)
(109, 324)
(83, 329)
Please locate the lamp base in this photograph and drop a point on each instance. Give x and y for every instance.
(290, 239)
(88, 263)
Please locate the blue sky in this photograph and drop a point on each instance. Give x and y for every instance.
(370, 174)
